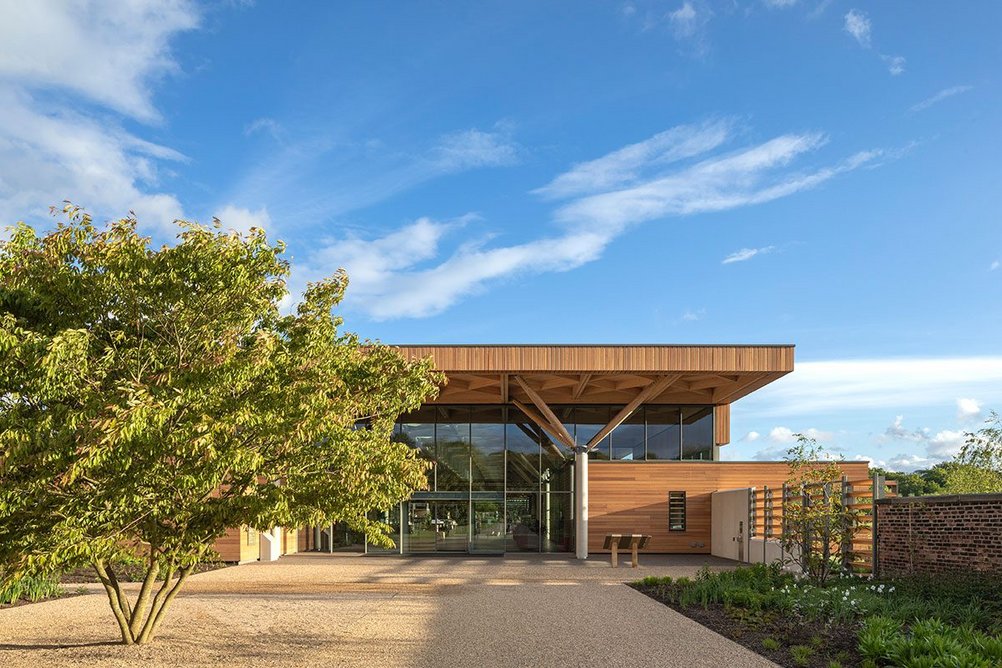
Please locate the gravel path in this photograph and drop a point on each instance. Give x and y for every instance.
(343, 610)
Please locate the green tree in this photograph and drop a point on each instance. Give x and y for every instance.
(978, 467)
(152, 398)
(817, 525)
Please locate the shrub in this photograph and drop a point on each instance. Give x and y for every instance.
(770, 644)
(801, 654)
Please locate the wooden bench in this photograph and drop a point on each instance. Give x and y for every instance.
(625, 541)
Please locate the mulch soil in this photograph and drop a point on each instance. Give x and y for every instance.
(125, 574)
(830, 642)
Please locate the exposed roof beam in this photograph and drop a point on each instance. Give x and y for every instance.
(652, 390)
(547, 413)
(581, 385)
(545, 425)
(504, 388)
(723, 394)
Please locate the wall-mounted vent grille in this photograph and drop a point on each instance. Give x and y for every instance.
(676, 511)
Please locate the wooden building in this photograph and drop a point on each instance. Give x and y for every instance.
(551, 447)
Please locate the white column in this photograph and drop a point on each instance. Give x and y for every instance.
(581, 502)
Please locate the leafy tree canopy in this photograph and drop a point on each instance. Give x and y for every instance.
(152, 398)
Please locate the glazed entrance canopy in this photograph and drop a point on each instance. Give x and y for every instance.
(534, 377)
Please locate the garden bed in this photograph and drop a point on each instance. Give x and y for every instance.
(849, 623)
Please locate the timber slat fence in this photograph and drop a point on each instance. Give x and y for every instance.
(766, 514)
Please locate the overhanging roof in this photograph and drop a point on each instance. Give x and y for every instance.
(614, 374)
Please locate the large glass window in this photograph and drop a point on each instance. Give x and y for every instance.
(629, 437)
(697, 432)
(452, 448)
(487, 448)
(663, 433)
(557, 523)
(488, 531)
(522, 533)
(522, 462)
(557, 468)
(417, 429)
(589, 420)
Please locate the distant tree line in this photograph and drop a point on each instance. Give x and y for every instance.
(977, 468)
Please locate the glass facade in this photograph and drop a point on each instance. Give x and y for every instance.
(498, 483)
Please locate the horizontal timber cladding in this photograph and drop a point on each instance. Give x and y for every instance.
(640, 358)
(633, 498)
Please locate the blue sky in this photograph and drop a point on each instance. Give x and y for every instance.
(823, 173)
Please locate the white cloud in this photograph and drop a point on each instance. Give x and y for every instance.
(940, 96)
(787, 435)
(472, 149)
(691, 316)
(779, 4)
(746, 254)
(858, 25)
(608, 195)
(895, 64)
(751, 436)
(238, 218)
(389, 276)
(688, 25)
(892, 383)
(940, 446)
(107, 53)
(994, 265)
(968, 409)
(716, 184)
(906, 463)
(625, 165)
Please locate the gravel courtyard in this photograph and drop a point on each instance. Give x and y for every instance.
(350, 610)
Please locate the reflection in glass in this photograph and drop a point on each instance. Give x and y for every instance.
(417, 429)
(523, 452)
(522, 534)
(628, 438)
(663, 433)
(557, 472)
(392, 518)
(487, 448)
(452, 448)
(697, 432)
(488, 527)
(557, 530)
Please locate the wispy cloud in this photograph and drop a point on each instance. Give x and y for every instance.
(602, 199)
(940, 96)
(779, 4)
(264, 125)
(746, 254)
(626, 165)
(858, 25)
(787, 435)
(690, 315)
(471, 149)
(895, 64)
(688, 25)
(994, 265)
(109, 55)
(892, 383)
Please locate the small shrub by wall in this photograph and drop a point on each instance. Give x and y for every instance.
(940, 534)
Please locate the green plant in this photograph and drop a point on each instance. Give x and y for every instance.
(818, 525)
(801, 654)
(770, 643)
(28, 588)
(153, 397)
(834, 664)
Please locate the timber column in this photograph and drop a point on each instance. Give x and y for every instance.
(581, 502)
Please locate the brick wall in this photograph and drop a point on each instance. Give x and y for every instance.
(940, 534)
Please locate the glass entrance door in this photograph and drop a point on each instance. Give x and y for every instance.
(437, 526)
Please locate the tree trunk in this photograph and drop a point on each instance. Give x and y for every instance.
(136, 627)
